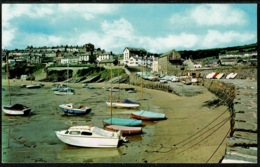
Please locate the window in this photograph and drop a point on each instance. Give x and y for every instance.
(86, 133)
(75, 132)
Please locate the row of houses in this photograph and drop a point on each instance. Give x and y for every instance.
(169, 62)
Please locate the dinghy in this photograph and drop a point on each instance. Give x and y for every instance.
(123, 103)
(148, 115)
(16, 109)
(64, 91)
(126, 130)
(122, 122)
(74, 109)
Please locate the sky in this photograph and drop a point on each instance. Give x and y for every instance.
(157, 28)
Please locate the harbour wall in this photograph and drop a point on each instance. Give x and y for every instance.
(241, 98)
(240, 95)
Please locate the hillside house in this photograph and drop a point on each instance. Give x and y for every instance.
(133, 61)
(211, 63)
(189, 64)
(133, 52)
(84, 58)
(228, 61)
(70, 60)
(105, 56)
(72, 49)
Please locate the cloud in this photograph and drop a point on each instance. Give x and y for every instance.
(55, 14)
(7, 37)
(88, 11)
(202, 26)
(215, 38)
(210, 15)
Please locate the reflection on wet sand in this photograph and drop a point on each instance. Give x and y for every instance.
(76, 154)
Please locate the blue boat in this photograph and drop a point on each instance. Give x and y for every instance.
(74, 110)
(147, 115)
(122, 122)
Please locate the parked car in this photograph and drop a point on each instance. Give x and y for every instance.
(175, 79)
(163, 81)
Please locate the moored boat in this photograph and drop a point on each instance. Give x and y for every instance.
(126, 130)
(88, 86)
(122, 122)
(74, 109)
(58, 87)
(16, 109)
(123, 103)
(34, 86)
(65, 91)
(131, 91)
(87, 136)
(148, 115)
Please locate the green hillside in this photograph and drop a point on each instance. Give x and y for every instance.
(214, 52)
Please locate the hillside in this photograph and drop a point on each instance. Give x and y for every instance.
(214, 52)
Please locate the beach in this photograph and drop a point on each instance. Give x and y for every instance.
(190, 134)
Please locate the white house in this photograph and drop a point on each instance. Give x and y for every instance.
(84, 57)
(197, 65)
(74, 60)
(155, 65)
(132, 61)
(105, 56)
(133, 52)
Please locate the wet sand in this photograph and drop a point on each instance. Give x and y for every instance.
(187, 136)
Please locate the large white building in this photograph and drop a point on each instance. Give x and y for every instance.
(131, 55)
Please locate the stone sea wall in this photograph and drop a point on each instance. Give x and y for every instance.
(241, 98)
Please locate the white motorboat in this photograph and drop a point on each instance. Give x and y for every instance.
(87, 136)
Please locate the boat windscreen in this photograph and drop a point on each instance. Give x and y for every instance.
(129, 101)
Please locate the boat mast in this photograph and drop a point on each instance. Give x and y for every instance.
(67, 79)
(118, 80)
(142, 79)
(7, 72)
(111, 94)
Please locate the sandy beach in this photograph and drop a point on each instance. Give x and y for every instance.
(189, 135)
